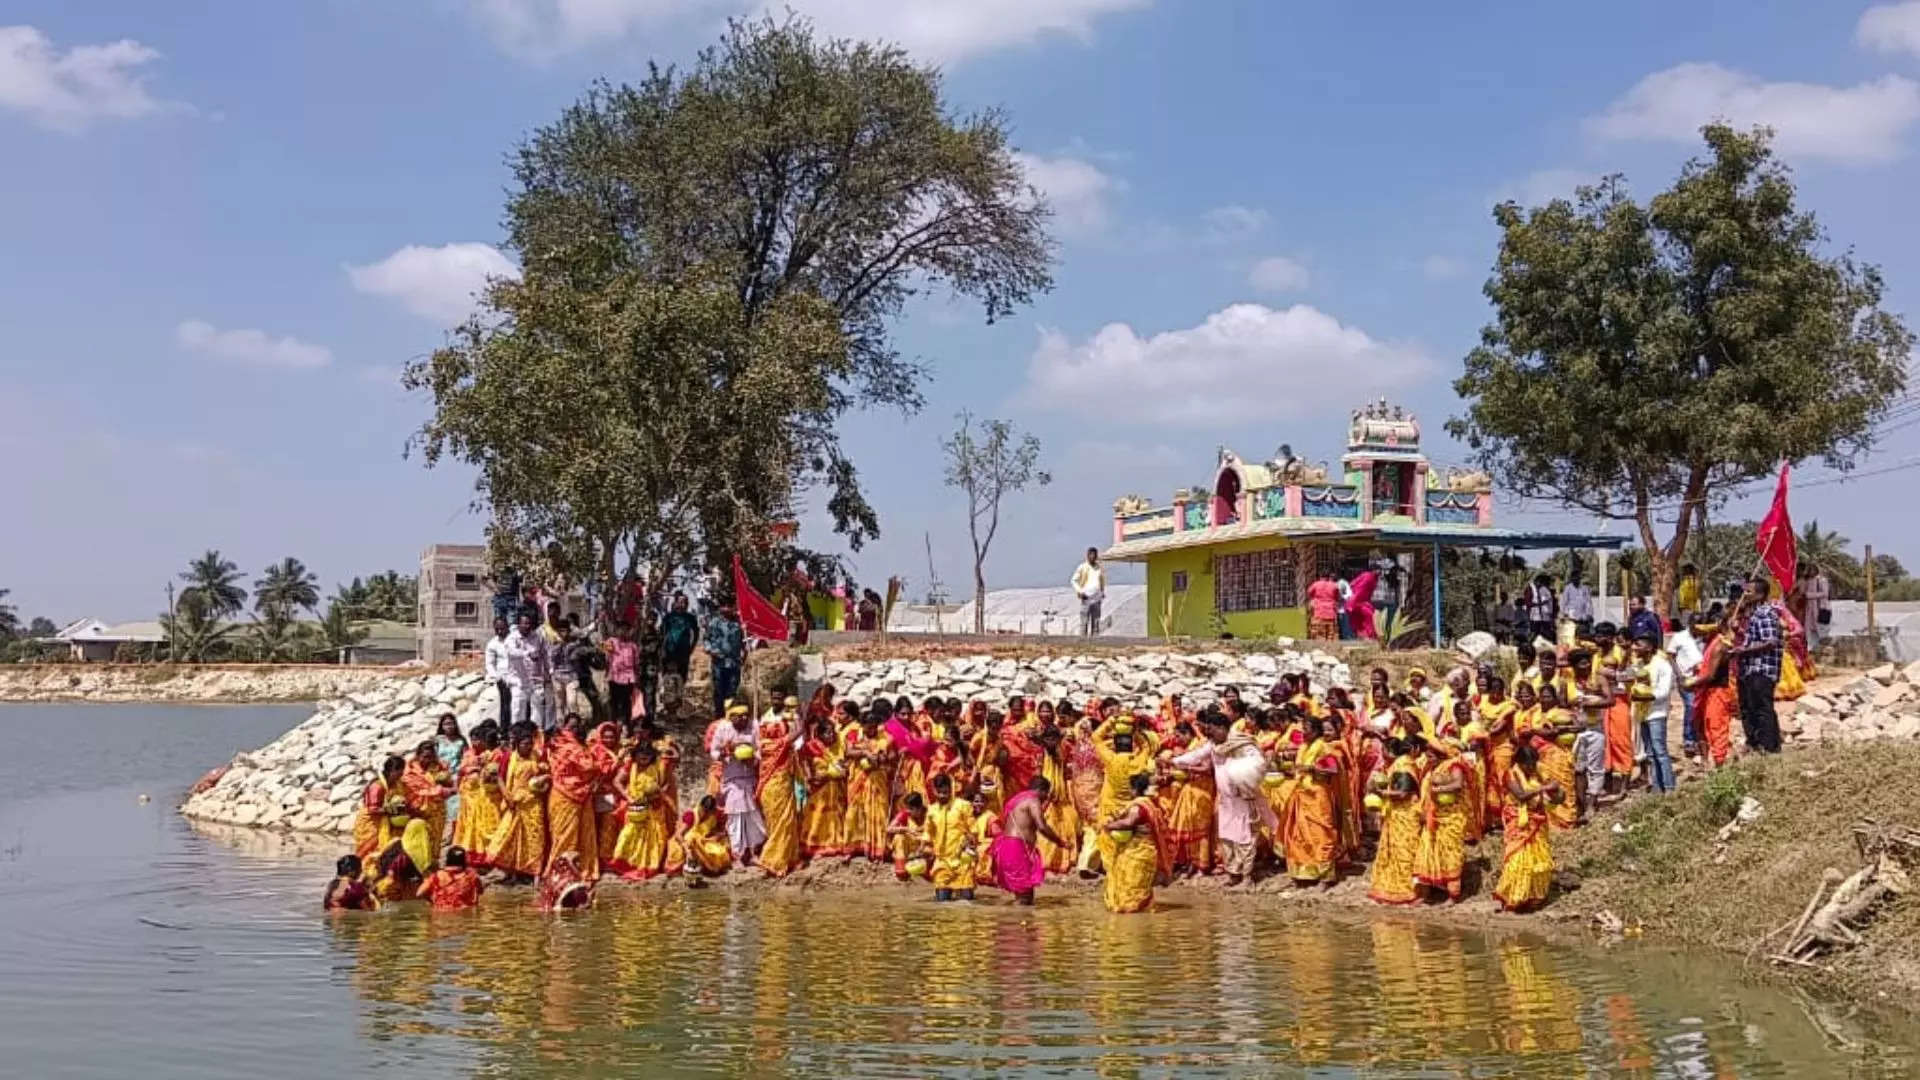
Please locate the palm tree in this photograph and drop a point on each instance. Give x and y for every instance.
(217, 581)
(274, 636)
(337, 631)
(392, 595)
(286, 587)
(1828, 551)
(192, 630)
(9, 618)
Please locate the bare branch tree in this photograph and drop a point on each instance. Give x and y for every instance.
(988, 465)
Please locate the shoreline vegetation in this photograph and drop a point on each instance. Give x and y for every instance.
(186, 684)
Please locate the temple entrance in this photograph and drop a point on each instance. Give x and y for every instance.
(1393, 488)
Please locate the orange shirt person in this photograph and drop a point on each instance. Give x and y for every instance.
(453, 887)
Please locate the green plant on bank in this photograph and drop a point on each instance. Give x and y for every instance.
(1725, 790)
(1402, 631)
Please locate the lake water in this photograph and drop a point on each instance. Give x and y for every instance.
(132, 944)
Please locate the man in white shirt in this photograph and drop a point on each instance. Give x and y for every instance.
(500, 671)
(1687, 654)
(1090, 585)
(1653, 727)
(1576, 604)
(1541, 610)
(529, 672)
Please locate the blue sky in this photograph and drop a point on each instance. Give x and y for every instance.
(227, 225)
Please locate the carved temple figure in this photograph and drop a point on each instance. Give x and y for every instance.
(1129, 505)
(1468, 480)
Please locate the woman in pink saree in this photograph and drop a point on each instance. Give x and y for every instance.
(1360, 606)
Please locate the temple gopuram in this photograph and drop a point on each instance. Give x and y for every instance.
(1235, 557)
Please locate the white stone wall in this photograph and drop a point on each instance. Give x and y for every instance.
(1134, 678)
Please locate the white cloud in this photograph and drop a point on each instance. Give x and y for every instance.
(1891, 28)
(67, 91)
(1442, 268)
(1542, 186)
(1077, 190)
(438, 283)
(1244, 362)
(1862, 123)
(254, 348)
(1225, 225)
(938, 30)
(1278, 274)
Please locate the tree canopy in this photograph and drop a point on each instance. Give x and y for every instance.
(711, 262)
(1646, 360)
(988, 465)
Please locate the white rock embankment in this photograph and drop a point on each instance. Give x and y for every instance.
(1883, 703)
(1131, 677)
(184, 683)
(311, 778)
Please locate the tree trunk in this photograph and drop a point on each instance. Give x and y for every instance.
(979, 598)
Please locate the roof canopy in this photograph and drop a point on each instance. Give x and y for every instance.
(1386, 535)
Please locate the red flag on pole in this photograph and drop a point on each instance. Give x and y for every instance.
(1775, 540)
(757, 616)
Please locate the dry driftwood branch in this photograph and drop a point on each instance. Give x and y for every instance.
(1837, 922)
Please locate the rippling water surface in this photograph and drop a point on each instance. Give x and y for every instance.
(133, 945)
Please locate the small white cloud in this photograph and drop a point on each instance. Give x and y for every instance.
(1278, 274)
(1891, 28)
(438, 283)
(1077, 190)
(1226, 225)
(1862, 123)
(1244, 362)
(1542, 186)
(942, 31)
(254, 348)
(68, 91)
(1441, 268)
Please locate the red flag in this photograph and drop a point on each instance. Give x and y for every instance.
(1775, 540)
(756, 615)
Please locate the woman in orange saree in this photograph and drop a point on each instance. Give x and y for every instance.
(1392, 879)
(1716, 701)
(381, 805)
(1526, 865)
(823, 822)
(427, 788)
(518, 846)
(1439, 863)
(576, 775)
(1311, 827)
(701, 842)
(1497, 712)
(610, 800)
(869, 787)
(640, 850)
(1192, 824)
(773, 790)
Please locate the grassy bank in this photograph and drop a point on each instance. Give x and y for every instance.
(1665, 872)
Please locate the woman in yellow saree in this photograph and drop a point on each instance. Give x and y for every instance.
(1124, 750)
(986, 828)
(1553, 728)
(427, 788)
(383, 811)
(1192, 826)
(1310, 827)
(773, 790)
(869, 787)
(823, 822)
(1442, 857)
(640, 850)
(1526, 867)
(1392, 879)
(518, 846)
(701, 843)
(1497, 712)
(1060, 814)
(481, 803)
(1142, 854)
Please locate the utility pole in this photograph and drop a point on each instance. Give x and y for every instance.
(172, 616)
(936, 592)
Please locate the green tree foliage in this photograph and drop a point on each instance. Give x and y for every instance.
(9, 618)
(337, 630)
(1887, 569)
(195, 633)
(988, 465)
(286, 587)
(41, 626)
(1646, 359)
(711, 264)
(390, 595)
(215, 581)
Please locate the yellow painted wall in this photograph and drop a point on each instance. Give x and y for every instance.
(1193, 609)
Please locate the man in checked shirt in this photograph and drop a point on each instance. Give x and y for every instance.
(1759, 667)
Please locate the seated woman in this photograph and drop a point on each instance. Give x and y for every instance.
(346, 892)
(701, 842)
(455, 886)
(403, 865)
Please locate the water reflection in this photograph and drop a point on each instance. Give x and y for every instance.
(682, 982)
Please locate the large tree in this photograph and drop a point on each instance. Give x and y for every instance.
(286, 587)
(988, 464)
(1646, 360)
(9, 617)
(711, 263)
(216, 581)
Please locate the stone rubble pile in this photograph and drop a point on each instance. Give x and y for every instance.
(311, 778)
(1133, 678)
(1884, 703)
